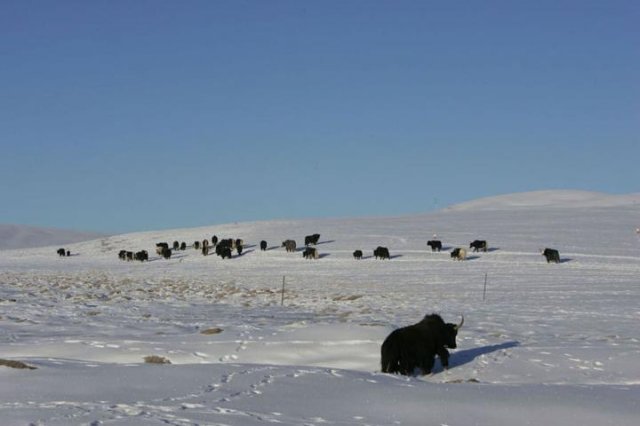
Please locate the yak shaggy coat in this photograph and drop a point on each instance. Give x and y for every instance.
(416, 346)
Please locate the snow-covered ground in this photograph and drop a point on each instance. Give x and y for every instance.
(548, 344)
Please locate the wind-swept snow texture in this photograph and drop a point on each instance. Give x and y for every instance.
(550, 344)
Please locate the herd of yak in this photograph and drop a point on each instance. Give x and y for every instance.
(225, 248)
(407, 350)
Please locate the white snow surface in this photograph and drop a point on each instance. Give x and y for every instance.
(550, 344)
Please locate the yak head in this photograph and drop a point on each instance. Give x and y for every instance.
(446, 332)
(450, 332)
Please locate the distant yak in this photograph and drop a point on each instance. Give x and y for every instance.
(141, 255)
(166, 252)
(289, 245)
(478, 245)
(436, 245)
(311, 239)
(551, 255)
(160, 247)
(357, 254)
(458, 254)
(310, 253)
(381, 253)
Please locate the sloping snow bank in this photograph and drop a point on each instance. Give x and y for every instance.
(71, 393)
(22, 237)
(551, 198)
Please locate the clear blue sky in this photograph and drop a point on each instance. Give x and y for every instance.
(119, 116)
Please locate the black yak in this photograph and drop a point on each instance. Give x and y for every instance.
(436, 245)
(311, 239)
(263, 245)
(61, 252)
(478, 245)
(166, 252)
(381, 253)
(357, 254)
(141, 255)
(310, 253)
(416, 346)
(226, 243)
(225, 252)
(551, 255)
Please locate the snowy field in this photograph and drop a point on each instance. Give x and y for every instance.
(548, 344)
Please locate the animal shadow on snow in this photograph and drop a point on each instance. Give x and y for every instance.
(326, 242)
(243, 253)
(565, 260)
(472, 258)
(395, 256)
(492, 249)
(323, 255)
(466, 356)
(156, 258)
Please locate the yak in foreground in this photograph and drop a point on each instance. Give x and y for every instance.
(416, 346)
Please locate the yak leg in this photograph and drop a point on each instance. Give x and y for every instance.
(443, 354)
(427, 363)
(405, 366)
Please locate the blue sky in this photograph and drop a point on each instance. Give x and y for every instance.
(120, 116)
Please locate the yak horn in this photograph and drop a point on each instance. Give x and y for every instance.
(460, 325)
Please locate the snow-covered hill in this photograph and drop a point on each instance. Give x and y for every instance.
(22, 236)
(544, 344)
(551, 198)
